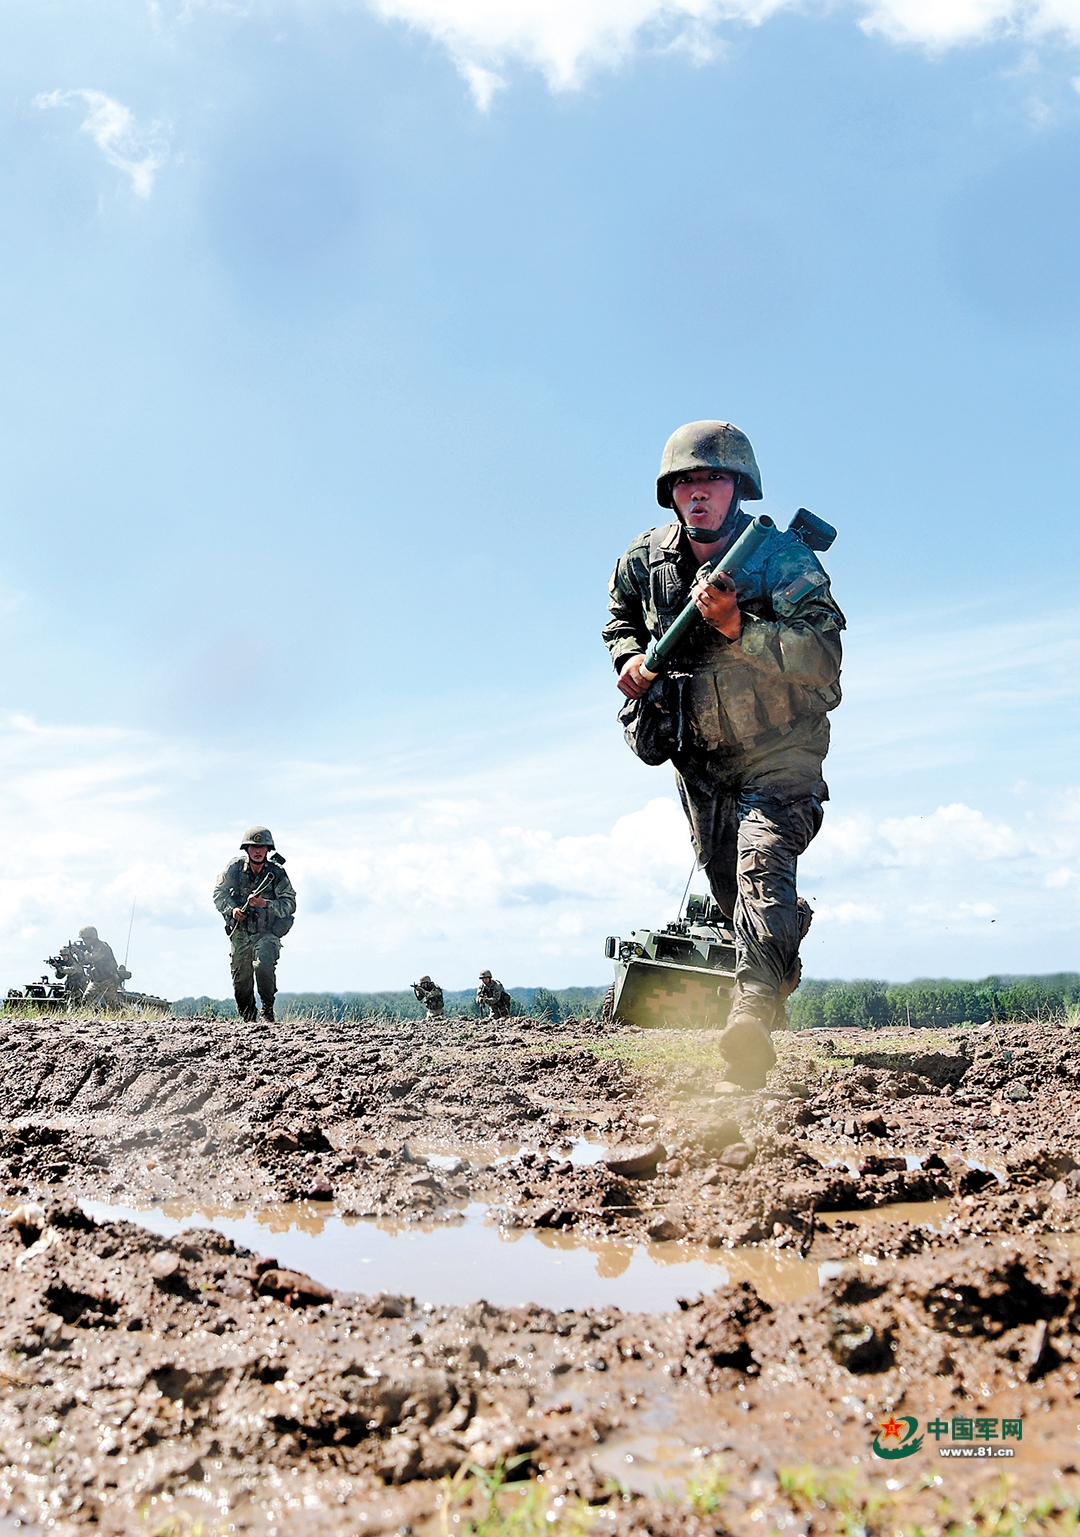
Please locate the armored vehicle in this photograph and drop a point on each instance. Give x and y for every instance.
(72, 983)
(680, 976)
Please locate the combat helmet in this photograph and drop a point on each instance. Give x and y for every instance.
(89, 934)
(709, 446)
(262, 837)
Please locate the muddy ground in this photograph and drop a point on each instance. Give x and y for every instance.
(145, 1377)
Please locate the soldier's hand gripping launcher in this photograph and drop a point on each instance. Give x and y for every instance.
(661, 648)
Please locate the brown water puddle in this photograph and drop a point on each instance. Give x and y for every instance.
(917, 1213)
(464, 1255)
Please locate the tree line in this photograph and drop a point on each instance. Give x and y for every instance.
(554, 1004)
(929, 1002)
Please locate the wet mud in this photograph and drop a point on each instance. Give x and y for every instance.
(888, 1229)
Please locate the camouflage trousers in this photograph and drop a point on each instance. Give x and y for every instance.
(105, 993)
(749, 843)
(254, 960)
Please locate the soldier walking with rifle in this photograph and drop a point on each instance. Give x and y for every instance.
(726, 641)
(256, 898)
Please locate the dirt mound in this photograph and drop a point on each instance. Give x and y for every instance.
(187, 1375)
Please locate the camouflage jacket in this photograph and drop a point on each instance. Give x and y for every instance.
(431, 997)
(491, 992)
(236, 883)
(101, 962)
(786, 664)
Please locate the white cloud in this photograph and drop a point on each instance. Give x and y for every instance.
(567, 40)
(139, 154)
(939, 24)
(523, 862)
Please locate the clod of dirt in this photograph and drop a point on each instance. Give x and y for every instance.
(28, 1220)
(715, 1136)
(857, 1345)
(293, 1287)
(740, 1155)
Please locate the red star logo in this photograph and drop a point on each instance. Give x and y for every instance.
(891, 1427)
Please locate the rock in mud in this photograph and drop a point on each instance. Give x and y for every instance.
(666, 1226)
(639, 1158)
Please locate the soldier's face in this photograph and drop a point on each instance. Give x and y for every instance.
(703, 497)
(256, 853)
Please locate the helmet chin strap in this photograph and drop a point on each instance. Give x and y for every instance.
(714, 535)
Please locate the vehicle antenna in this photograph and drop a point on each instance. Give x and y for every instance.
(127, 947)
(686, 889)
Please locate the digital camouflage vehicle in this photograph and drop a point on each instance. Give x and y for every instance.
(680, 976)
(72, 983)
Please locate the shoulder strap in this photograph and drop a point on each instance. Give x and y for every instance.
(660, 542)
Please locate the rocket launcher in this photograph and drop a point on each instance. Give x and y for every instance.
(663, 647)
(813, 531)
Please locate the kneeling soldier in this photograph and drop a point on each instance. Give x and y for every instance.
(493, 995)
(430, 994)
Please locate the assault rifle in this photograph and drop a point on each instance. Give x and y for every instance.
(813, 531)
(231, 923)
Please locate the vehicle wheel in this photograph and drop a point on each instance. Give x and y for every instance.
(607, 1008)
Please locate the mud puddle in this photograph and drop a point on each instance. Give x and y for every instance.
(932, 1214)
(450, 1264)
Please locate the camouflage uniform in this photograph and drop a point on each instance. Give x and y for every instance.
(745, 725)
(492, 994)
(430, 994)
(255, 944)
(101, 970)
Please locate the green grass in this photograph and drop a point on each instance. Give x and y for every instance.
(655, 1051)
(485, 1503)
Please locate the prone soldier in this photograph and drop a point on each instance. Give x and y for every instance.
(743, 713)
(256, 898)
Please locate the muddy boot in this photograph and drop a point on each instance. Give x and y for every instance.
(268, 1013)
(745, 1043)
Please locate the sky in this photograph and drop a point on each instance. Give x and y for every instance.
(339, 342)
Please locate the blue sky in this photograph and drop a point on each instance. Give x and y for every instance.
(339, 345)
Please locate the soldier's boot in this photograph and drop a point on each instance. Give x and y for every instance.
(746, 1044)
(268, 1012)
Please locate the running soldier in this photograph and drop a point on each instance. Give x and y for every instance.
(256, 898)
(742, 714)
